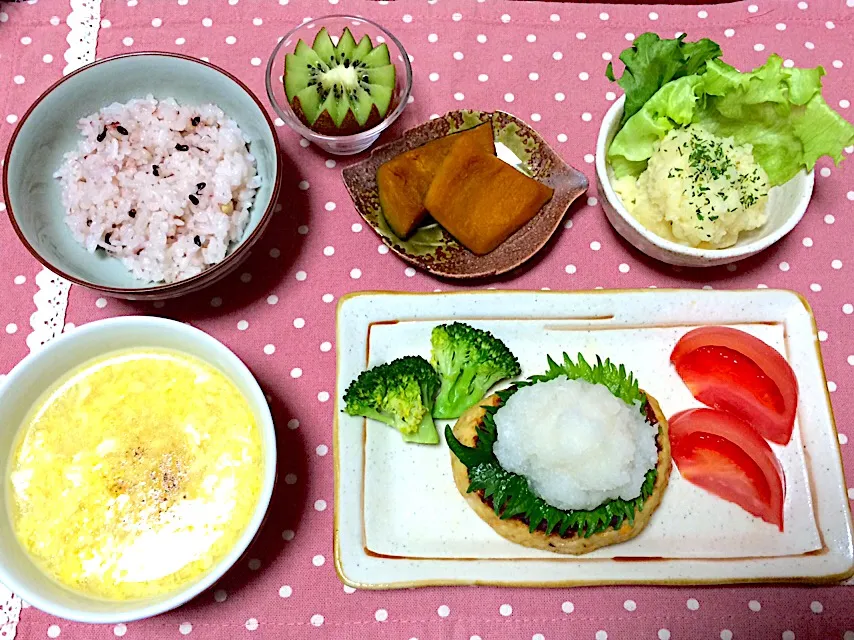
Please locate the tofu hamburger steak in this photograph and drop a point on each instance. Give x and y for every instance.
(569, 461)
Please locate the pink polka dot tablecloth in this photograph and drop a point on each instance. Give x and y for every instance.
(545, 63)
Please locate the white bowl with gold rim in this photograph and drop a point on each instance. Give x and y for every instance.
(787, 204)
(25, 386)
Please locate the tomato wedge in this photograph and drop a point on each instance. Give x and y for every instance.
(735, 372)
(724, 455)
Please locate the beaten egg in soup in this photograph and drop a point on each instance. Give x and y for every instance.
(136, 474)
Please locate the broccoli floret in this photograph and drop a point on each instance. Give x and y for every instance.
(469, 362)
(400, 394)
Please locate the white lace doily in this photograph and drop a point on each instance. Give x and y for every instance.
(51, 300)
(84, 20)
(10, 613)
(51, 297)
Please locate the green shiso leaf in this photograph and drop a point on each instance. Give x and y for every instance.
(510, 494)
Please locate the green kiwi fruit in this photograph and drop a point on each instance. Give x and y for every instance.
(339, 89)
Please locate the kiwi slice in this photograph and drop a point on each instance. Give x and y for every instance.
(346, 45)
(340, 89)
(364, 48)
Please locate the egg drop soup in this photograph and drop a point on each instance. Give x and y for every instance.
(135, 474)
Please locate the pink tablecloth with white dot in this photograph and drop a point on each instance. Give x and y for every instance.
(545, 63)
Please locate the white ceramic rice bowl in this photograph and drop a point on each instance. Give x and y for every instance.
(786, 206)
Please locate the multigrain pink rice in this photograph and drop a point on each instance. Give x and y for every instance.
(165, 188)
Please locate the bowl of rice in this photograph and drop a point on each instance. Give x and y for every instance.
(143, 176)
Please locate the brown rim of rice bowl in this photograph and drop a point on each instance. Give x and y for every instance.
(192, 283)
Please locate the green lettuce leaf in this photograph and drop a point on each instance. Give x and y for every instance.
(652, 62)
(779, 111)
(674, 105)
(510, 493)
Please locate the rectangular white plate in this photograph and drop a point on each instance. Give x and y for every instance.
(400, 521)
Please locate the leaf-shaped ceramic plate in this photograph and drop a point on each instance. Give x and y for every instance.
(431, 247)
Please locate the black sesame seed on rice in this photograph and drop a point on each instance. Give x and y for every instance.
(121, 130)
(107, 238)
(155, 169)
(201, 186)
(194, 199)
(196, 120)
(182, 147)
(198, 241)
(102, 135)
(132, 213)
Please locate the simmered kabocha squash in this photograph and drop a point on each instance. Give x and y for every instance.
(404, 180)
(481, 200)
